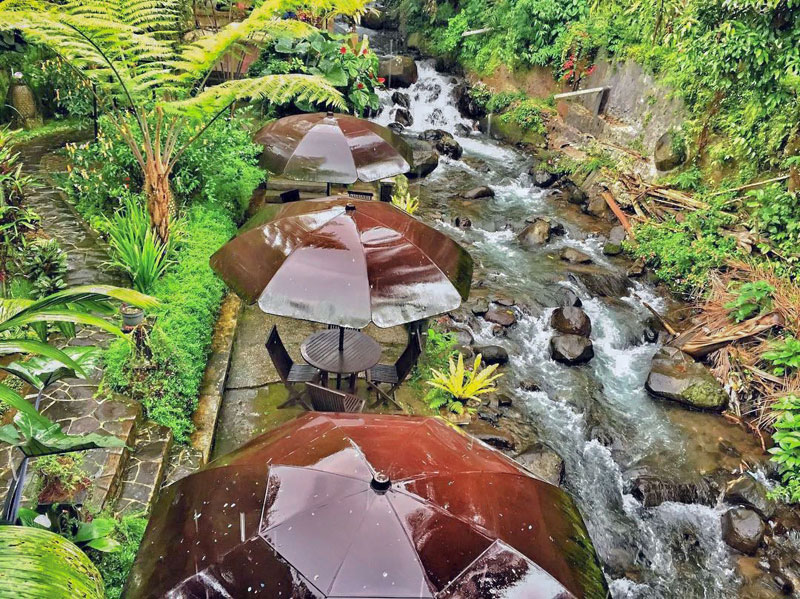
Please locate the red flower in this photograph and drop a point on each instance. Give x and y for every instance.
(241, 6)
(360, 86)
(590, 70)
(370, 75)
(364, 52)
(381, 79)
(343, 50)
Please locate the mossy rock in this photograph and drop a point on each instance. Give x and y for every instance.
(674, 375)
(506, 130)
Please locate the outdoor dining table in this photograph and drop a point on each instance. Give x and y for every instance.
(341, 352)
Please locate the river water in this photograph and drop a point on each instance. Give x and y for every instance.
(598, 417)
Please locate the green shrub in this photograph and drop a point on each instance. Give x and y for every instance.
(44, 264)
(784, 356)
(115, 567)
(167, 382)
(787, 446)
(751, 299)
(135, 247)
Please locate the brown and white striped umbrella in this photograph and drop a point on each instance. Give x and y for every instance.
(332, 148)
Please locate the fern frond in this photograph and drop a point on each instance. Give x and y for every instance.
(277, 89)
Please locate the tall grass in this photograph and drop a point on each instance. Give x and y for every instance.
(135, 248)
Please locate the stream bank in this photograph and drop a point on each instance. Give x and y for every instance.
(653, 480)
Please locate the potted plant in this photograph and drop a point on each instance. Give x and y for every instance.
(61, 478)
(132, 316)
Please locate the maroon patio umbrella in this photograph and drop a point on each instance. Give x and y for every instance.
(346, 262)
(365, 506)
(332, 148)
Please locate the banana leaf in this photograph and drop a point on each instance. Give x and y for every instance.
(40, 371)
(41, 436)
(37, 563)
(39, 348)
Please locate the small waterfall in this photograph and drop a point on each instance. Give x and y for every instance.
(599, 418)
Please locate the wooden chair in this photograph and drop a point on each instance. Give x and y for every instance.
(395, 374)
(360, 195)
(332, 400)
(288, 370)
(292, 195)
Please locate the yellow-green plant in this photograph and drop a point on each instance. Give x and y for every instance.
(461, 384)
(152, 80)
(402, 198)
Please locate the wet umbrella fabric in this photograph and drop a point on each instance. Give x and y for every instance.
(326, 506)
(332, 148)
(346, 262)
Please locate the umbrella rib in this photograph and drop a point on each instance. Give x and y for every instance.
(411, 544)
(346, 553)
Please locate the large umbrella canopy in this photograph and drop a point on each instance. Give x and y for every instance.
(333, 148)
(365, 506)
(346, 262)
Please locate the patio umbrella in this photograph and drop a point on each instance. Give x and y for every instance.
(328, 506)
(332, 148)
(346, 262)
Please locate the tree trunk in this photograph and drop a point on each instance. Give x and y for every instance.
(159, 198)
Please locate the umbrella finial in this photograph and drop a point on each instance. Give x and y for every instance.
(380, 483)
(349, 207)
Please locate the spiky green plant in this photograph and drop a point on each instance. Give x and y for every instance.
(402, 197)
(152, 83)
(461, 384)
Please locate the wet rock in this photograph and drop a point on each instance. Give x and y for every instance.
(675, 375)
(468, 107)
(596, 206)
(530, 385)
(398, 129)
(489, 414)
(535, 234)
(604, 283)
(668, 153)
(574, 256)
(571, 349)
(462, 130)
(571, 321)
(541, 177)
(480, 307)
(378, 18)
(478, 192)
(612, 249)
(462, 222)
(742, 529)
(403, 117)
(399, 71)
(504, 300)
(543, 463)
(499, 438)
(401, 99)
(425, 157)
(747, 491)
(501, 316)
(491, 354)
(464, 338)
(449, 147)
(571, 192)
(433, 135)
(636, 269)
(567, 297)
(476, 163)
(653, 491)
(504, 401)
(617, 234)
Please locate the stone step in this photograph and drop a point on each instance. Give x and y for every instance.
(144, 472)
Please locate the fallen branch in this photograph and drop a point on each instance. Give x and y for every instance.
(621, 216)
(749, 185)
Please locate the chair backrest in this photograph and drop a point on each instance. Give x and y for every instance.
(277, 352)
(360, 195)
(408, 358)
(331, 400)
(293, 195)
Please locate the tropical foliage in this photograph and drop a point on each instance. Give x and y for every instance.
(787, 445)
(402, 198)
(95, 534)
(40, 563)
(151, 83)
(751, 299)
(461, 384)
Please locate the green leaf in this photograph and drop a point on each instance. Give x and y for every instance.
(105, 544)
(99, 527)
(39, 371)
(19, 403)
(29, 346)
(40, 563)
(10, 435)
(44, 437)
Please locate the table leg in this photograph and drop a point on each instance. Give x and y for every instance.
(353, 378)
(338, 381)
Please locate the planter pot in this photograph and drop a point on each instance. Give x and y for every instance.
(131, 316)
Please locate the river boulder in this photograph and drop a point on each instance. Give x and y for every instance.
(535, 234)
(596, 206)
(478, 192)
(403, 116)
(543, 463)
(502, 316)
(601, 281)
(571, 349)
(675, 375)
(401, 99)
(742, 529)
(468, 107)
(399, 71)
(747, 491)
(567, 297)
(541, 177)
(669, 152)
(574, 256)
(571, 321)
(492, 354)
(425, 157)
(571, 192)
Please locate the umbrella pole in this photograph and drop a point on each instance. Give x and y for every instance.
(341, 349)
(328, 188)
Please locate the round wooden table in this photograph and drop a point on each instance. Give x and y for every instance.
(359, 353)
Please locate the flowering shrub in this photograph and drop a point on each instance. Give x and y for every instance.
(351, 68)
